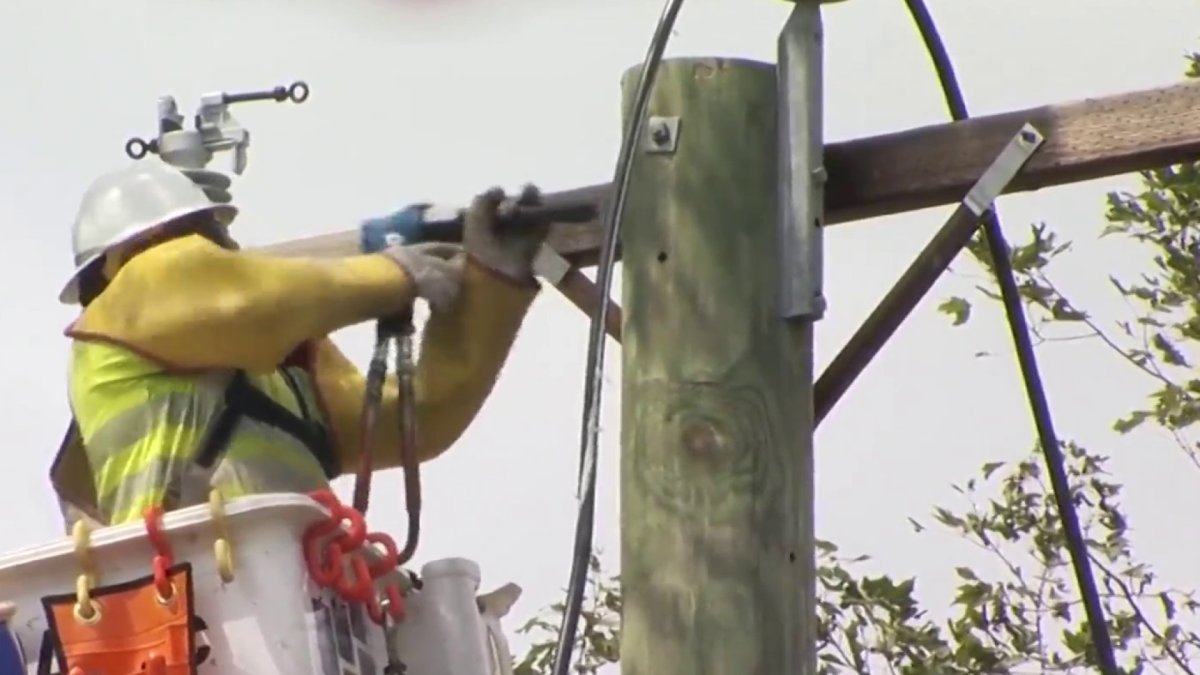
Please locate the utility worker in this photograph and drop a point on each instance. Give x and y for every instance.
(196, 365)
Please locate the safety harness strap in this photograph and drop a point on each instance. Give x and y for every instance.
(244, 399)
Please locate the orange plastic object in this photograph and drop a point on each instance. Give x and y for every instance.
(129, 628)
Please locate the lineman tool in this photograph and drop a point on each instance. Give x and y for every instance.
(215, 129)
(423, 223)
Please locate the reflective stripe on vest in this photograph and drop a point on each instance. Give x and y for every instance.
(143, 430)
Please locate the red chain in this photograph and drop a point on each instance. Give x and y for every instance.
(325, 558)
(163, 558)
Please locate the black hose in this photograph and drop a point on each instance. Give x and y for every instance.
(1034, 390)
(594, 375)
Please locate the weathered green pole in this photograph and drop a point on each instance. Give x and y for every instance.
(716, 467)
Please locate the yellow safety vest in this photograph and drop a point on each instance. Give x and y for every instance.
(153, 437)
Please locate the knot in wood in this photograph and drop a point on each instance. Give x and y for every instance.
(701, 439)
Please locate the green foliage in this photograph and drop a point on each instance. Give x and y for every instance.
(958, 308)
(599, 623)
(1026, 617)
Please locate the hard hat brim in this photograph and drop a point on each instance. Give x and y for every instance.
(69, 295)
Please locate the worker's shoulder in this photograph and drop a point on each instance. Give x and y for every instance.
(173, 253)
(150, 275)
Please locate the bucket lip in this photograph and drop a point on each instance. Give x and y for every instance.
(293, 511)
(451, 567)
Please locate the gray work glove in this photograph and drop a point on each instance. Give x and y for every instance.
(509, 251)
(435, 269)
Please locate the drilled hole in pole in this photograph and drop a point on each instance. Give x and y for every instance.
(662, 256)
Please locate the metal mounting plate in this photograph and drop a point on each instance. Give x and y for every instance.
(1002, 171)
(661, 135)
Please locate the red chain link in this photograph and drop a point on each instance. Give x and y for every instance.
(325, 558)
(164, 559)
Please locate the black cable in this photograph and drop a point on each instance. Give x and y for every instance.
(585, 521)
(1055, 464)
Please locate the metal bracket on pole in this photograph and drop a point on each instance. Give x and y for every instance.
(576, 287)
(801, 188)
(549, 265)
(1006, 166)
(920, 276)
(662, 136)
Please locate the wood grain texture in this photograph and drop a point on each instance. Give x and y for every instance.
(333, 245)
(1087, 139)
(716, 467)
(585, 294)
(936, 165)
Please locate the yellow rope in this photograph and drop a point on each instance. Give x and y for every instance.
(222, 548)
(86, 609)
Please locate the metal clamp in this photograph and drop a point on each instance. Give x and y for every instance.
(920, 276)
(215, 129)
(801, 174)
(1005, 167)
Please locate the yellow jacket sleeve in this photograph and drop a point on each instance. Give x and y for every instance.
(462, 353)
(191, 304)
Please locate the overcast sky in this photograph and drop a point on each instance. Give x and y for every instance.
(426, 100)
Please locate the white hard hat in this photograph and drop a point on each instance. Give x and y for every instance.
(120, 205)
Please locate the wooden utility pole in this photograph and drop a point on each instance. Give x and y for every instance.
(716, 465)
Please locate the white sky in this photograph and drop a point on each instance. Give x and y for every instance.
(438, 104)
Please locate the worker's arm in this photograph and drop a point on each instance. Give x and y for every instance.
(189, 303)
(462, 353)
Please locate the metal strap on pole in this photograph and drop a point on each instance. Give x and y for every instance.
(920, 276)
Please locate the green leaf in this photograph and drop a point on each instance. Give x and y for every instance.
(990, 468)
(958, 308)
(826, 546)
(1169, 352)
(1133, 421)
(945, 517)
(1063, 311)
(1167, 604)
